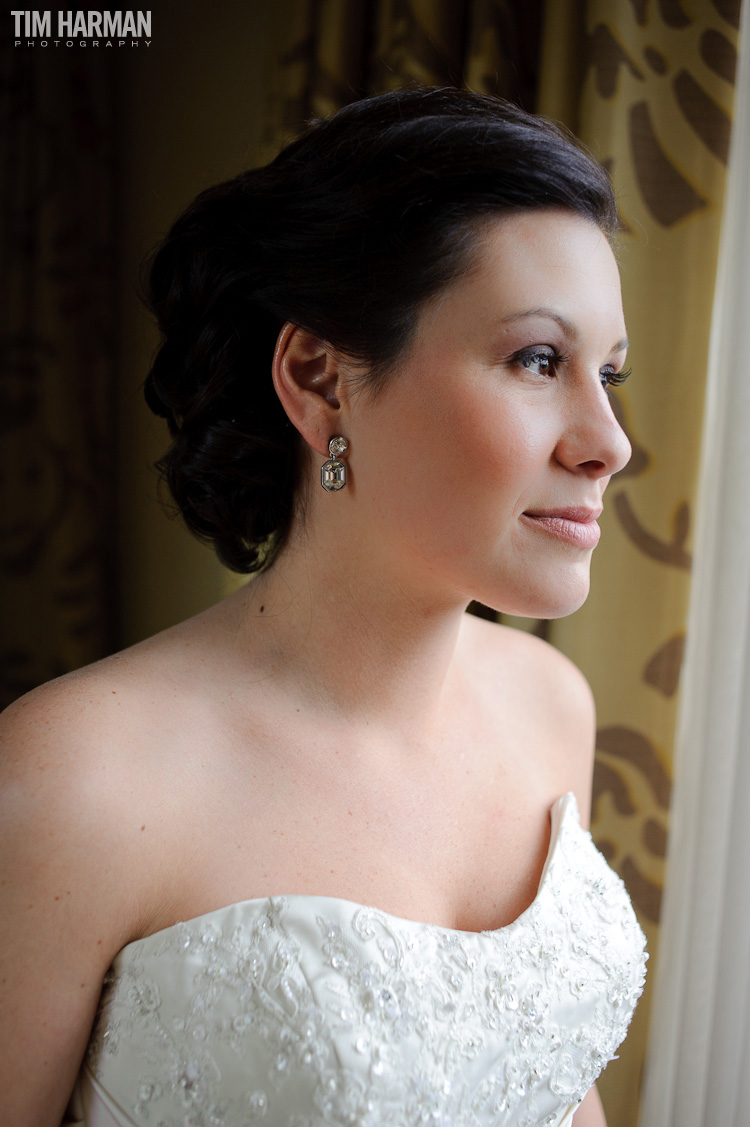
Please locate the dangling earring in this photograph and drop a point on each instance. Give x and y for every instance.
(333, 472)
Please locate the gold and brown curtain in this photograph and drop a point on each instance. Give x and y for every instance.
(650, 88)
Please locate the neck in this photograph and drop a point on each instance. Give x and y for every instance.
(346, 635)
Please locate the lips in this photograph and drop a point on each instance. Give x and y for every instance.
(573, 524)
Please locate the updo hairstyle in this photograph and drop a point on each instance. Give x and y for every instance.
(346, 233)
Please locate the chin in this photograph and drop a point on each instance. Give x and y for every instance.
(550, 602)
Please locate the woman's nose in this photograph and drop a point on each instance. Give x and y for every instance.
(593, 441)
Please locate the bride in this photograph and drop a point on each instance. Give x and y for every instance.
(315, 855)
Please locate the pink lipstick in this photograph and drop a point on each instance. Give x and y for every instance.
(574, 525)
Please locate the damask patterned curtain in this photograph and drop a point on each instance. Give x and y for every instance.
(649, 86)
(330, 52)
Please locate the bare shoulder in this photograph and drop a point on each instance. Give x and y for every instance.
(62, 757)
(77, 879)
(91, 757)
(99, 714)
(539, 687)
(66, 742)
(80, 756)
(539, 672)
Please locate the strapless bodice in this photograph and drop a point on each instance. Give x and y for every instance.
(311, 1011)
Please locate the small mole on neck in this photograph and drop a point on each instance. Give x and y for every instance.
(262, 609)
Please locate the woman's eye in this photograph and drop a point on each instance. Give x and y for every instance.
(542, 361)
(611, 378)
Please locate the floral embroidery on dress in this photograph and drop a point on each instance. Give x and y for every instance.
(312, 1011)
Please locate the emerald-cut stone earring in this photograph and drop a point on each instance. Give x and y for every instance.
(333, 472)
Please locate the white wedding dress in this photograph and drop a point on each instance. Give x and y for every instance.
(311, 1011)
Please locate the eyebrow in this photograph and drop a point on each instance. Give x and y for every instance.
(567, 326)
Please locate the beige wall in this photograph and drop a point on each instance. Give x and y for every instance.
(188, 109)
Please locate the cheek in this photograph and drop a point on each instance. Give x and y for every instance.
(506, 439)
(407, 431)
(442, 445)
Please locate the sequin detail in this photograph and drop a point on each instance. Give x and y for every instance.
(312, 1011)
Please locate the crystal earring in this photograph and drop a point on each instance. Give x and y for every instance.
(333, 472)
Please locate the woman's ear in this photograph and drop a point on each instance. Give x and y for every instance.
(307, 378)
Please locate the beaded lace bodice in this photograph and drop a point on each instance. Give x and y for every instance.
(310, 1011)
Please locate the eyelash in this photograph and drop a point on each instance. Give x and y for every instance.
(528, 355)
(614, 379)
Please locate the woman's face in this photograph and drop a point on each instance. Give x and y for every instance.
(497, 415)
